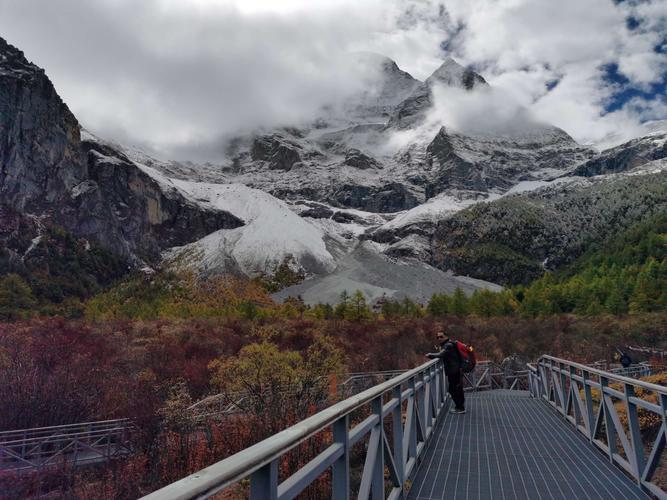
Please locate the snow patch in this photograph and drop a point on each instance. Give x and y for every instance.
(436, 208)
(33, 244)
(272, 232)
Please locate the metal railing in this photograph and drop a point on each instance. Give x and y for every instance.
(633, 371)
(74, 444)
(355, 383)
(598, 404)
(487, 375)
(223, 404)
(422, 391)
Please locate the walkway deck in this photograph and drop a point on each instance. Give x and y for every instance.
(512, 446)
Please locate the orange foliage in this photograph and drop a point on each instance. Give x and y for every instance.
(59, 372)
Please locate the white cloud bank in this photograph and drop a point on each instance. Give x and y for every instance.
(176, 75)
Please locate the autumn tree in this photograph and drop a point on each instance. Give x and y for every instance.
(277, 386)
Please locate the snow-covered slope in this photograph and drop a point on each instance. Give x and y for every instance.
(271, 232)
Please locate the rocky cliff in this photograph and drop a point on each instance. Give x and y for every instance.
(90, 188)
(626, 156)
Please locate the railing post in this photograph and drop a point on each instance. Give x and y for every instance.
(530, 384)
(590, 424)
(436, 389)
(397, 431)
(563, 381)
(428, 396)
(609, 428)
(341, 468)
(443, 382)
(635, 433)
(573, 397)
(25, 436)
(377, 484)
(659, 444)
(542, 366)
(412, 421)
(264, 482)
(421, 403)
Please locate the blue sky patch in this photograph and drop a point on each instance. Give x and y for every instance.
(626, 91)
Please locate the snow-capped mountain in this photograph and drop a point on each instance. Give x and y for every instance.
(377, 194)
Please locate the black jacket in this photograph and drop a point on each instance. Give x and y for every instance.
(450, 356)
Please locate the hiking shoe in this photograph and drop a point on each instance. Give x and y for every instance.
(457, 411)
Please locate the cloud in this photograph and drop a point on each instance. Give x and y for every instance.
(484, 111)
(524, 46)
(167, 75)
(175, 76)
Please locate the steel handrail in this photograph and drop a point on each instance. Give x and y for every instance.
(231, 470)
(54, 428)
(660, 389)
(568, 387)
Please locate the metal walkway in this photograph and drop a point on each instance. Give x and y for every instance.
(576, 434)
(510, 445)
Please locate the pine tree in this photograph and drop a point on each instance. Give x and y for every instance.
(459, 303)
(615, 303)
(16, 299)
(439, 305)
(357, 309)
(341, 308)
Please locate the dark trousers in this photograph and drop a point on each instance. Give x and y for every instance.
(455, 389)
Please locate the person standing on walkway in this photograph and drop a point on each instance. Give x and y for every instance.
(450, 356)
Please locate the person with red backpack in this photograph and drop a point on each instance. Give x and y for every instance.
(457, 358)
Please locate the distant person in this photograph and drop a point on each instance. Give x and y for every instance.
(448, 352)
(623, 358)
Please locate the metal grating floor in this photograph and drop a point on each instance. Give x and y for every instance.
(512, 446)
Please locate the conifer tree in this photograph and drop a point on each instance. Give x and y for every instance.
(16, 299)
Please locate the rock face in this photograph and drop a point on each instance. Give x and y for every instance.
(391, 197)
(488, 163)
(40, 156)
(17, 233)
(91, 189)
(357, 159)
(632, 154)
(146, 216)
(279, 153)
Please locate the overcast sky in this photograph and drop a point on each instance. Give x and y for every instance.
(175, 75)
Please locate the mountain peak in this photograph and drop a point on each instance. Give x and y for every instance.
(451, 73)
(12, 60)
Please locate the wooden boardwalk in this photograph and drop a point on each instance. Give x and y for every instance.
(511, 446)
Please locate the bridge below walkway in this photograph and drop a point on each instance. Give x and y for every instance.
(509, 445)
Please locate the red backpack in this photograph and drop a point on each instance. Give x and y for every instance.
(468, 357)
